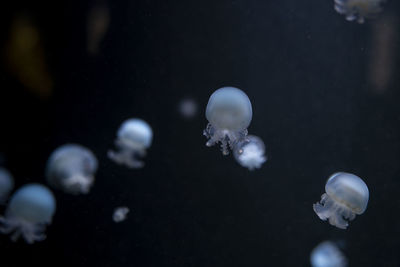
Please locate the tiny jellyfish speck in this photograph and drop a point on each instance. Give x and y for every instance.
(249, 152)
(327, 254)
(134, 137)
(229, 113)
(346, 195)
(6, 184)
(358, 10)
(120, 214)
(72, 169)
(30, 209)
(188, 108)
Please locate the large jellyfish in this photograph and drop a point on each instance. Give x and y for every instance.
(249, 152)
(358, 10)
(229, 113)
(6, 184)
(326, 254)
(72, 168)
(346, 195)
(133, 138)
(30, 209)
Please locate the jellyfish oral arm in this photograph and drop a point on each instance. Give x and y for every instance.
(227, 138)
(31, 232)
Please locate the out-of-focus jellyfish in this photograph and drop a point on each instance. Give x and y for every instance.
(72, 169)
(249, 152)
(30, 209)
(358, 10)
(120, 214)
(6, 184)
(327, 254)
(229, 113)
(346, 195)
(133, 138)
(188, 108)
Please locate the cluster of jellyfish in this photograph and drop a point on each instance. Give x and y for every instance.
(229, 113)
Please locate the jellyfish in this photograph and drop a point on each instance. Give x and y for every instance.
(358, 9)
(72, 168)
(249, 152)
(133, 138)
(188, 108)
(346, 195)
(327, 254)
(30, 209)
(6, 184)
(120, 214)
(229, 113)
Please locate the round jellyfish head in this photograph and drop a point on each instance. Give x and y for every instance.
(6, 184)
(229, 108)
(327, 254)
(136, 133)
(249, 152)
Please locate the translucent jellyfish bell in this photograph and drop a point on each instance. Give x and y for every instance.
(327, 254)
(249, 152)
(229, 113)
(133, 138)
(6, 184)
(72, 168)
(120, 214)
(346, 195)
(358, 9)
(30, 209)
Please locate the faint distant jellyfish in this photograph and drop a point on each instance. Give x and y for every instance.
(72, 168)
(188, 108)
(30, 209)
(249, 152)
(358, 9)
(120, 214)
(346, 195)
(327, 254)
(229, 113)
(133, 138)
(6, 184)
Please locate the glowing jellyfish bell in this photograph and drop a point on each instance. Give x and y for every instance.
(249, 152)
(346, 195)
(30, 209)
(72, 168)
(327, 254)
(134, 137)
(358, 9)
(229, 113)
(6, 184)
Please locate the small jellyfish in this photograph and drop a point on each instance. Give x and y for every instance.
(346, 195)
(71, 168)
(120, 214)
(358, 9)
(30, 209)
(6, 184)
(133, 138)
(229, 113)
(327, 254)
(188, 108)
(249, 152)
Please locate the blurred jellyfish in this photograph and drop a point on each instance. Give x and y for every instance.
(120, 214)
(71, 168)
(358, 10)
(6, 184)
(30, 209)
(326, 254)
(188, 108)
(133, 138)
(249, 152)
(346, 195)
(229, 113)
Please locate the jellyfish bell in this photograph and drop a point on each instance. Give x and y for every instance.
(326, 254)
(6, 184)
(346, 196)
(359, 10)
(250, 152)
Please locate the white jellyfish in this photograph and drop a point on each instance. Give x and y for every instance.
(229, 113)
(358, 9)
(188, 108)
(6, 184)
(72, 168)
(30, 209)
(249, 152)
(133, 138)
(327, 254)
(346, 195)
(120, 214)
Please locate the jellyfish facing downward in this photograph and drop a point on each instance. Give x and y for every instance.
(326, 254)
(30, 209)
(249, 152)
(71, 168)
(6, 184)
(346, 195)
(358, 9)
(133, 138)
(229, 113)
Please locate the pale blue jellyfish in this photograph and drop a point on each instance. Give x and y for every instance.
(358, 10)
(250, 152)
(30, 210)
(346, 195)
(327, 254)
(134, 137)
(229, 113)
(72, 169)
(6, 184)
(120, 214)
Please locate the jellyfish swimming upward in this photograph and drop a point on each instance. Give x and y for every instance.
(6, 184)
(346, 195)
(249, 152)
(358, 10)
(30, 209)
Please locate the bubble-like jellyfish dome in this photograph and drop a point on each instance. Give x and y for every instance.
(6, 184)
(30, 209)
(229, 113)
(249, 152)
(346, 195)
(358, 10)
(134, 137)
(326, 254)
(72, 169)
